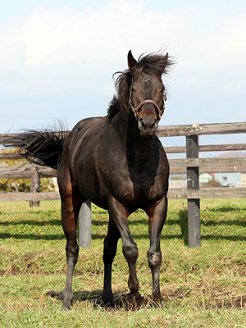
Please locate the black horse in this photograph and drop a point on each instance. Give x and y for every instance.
(118, 163)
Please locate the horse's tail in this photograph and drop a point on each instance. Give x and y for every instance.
(39, 147)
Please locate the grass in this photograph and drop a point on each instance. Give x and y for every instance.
(201, 287)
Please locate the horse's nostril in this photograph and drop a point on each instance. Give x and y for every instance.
(147, 124)
(142, 123)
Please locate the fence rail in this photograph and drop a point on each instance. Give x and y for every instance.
(201, 129)
(177, 166)
(220, 192)
(192, 165)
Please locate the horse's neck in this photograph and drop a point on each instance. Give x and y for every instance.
(137, 147)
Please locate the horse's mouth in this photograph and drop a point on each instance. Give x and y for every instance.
(147, 132)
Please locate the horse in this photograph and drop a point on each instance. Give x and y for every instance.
(118, 163)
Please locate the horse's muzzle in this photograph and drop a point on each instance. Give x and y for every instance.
(147, 120)
(148, 115)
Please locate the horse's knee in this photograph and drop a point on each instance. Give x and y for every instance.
(72, 252)
(130, 252)
(154, 259)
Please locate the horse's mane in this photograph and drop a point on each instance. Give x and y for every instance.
(154, 63)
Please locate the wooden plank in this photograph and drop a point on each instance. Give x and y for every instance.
(84, 224)
(5, 136)
(35, 187)
(209, 165)
(175, 150)
(212, 161)
(25, 171)
(231, 192)
(172, 194)
(177, 166)
(201, 129)
(224, 147)
(10, 156)
(184, 130)
(208, 148)
(177, 193)
(192, 152)
(218, 193)
(210, 169)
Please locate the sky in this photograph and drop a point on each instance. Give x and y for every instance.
(57, 58)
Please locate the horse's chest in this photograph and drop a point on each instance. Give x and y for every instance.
(141, 192)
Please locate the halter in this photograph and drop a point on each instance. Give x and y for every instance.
(137, 109)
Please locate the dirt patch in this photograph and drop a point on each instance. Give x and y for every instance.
(235, 302)
(176, 293)
(12, 271)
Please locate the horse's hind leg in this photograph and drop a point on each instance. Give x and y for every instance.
(110, 247)
(70, 203)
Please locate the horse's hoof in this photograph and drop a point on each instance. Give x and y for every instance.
(157, 300)
(134, 295)
(66, 307)
(109, 304)
(133, 300)
(108, 299)
(67, 304)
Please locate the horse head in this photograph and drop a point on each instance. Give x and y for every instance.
(147, 93)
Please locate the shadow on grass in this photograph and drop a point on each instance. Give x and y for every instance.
(224, 209)
(237, 222)
(183, 236)
(51, 222)
(31, 236)
(61, 236)
(99, 223)
(183, 222)
(130, 303)
(121, 300)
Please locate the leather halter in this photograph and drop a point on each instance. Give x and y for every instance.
(137, 109)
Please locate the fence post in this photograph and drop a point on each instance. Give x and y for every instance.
(84, 224)
(35, 187)
(192, 151)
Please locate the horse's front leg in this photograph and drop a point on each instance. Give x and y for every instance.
(157, 216)
(120, 214)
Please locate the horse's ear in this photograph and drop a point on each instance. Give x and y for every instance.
(132, 63)
(166, 62)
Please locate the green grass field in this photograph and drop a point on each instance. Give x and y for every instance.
(203, 287)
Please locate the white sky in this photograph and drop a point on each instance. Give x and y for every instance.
(57, 58)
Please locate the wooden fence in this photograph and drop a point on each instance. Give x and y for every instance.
(192, 166)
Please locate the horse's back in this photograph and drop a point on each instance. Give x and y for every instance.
(84, 156)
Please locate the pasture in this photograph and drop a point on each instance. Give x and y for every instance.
(201, 286)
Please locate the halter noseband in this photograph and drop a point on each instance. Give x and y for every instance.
(137, 109)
